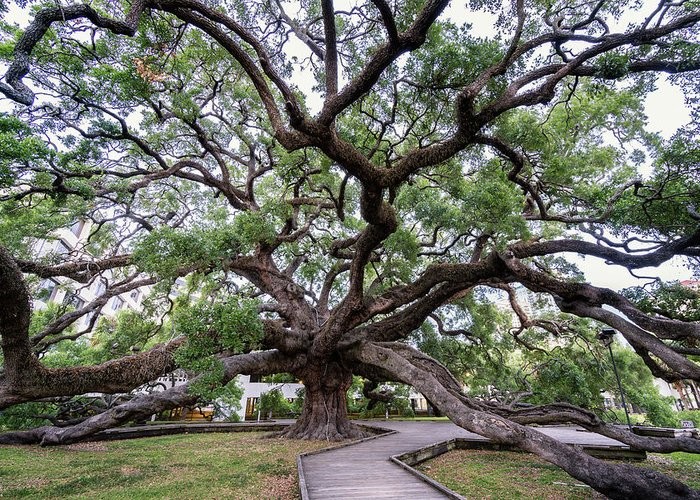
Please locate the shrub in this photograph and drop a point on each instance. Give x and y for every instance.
(692, 415)
(274, 404)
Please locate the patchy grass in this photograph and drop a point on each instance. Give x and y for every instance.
(236, 465)
(503, 475)
(683, 466)
(513, 475)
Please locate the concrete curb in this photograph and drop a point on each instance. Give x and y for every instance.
(410, 458)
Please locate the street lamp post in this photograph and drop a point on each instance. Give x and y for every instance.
(606, 337)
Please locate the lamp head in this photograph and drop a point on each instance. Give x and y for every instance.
(606, 336)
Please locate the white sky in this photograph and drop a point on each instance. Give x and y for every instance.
(666, 112)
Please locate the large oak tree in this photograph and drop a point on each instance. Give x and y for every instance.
(330, 180)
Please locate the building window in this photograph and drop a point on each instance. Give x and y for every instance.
(62, 248)
(100, 288)
(117, 303)
(48, 289)
(135, 295)
(71, 299)
(88, 317)
(77, 228)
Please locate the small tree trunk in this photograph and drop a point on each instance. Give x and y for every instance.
(325, 413)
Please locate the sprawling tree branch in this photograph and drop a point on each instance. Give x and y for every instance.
(144, 405)
(604, 477)
(15, 89)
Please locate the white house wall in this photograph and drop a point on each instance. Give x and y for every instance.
(255, 389)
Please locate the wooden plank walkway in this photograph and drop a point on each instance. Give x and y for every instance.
(364, 470)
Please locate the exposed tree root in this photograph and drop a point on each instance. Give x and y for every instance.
(314, 429)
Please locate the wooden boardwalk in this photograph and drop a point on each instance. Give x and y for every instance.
(364, 470)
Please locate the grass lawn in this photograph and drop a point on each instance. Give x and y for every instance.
(405, 419)
(510, 475)
(235, 465)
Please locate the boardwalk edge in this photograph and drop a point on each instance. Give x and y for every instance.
(303, 488)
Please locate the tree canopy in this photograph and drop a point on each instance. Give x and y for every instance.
(325, 188)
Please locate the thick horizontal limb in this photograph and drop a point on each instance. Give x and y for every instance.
(613, 480)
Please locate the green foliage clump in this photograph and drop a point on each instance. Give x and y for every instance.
(228, 401)
(400, 403)
(233, 327)
(42, 317)
(658, 409)
(69, 353)
(671, 300)
(121, 335)
(485, 202)
(274, 404)
(569, 155)
(612, 65)
(17, 146)
(563, 379)
(659, 206)
(617, 416)
(572, 374)
(638, 384)
(124, 334)
(692, 415)
(493, 203)
(25, 416)
(166, 251)
(478, 357)
(19, 225)
(252, 228)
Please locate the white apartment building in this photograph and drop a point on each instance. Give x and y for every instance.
(254, 387)
(66, 291)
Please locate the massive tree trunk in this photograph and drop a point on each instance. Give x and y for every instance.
(325, 414)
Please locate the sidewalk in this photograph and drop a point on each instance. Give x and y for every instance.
(364, 470)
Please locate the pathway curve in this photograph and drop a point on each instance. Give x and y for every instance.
(364, 470)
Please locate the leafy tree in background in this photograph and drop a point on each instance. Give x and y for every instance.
(274, 404)
(672, 300)
(390, 399)
(573, 368)
(330, 182)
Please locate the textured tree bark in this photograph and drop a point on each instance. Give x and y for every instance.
(325, 414)
(28, 380)
(140, 407)
(15, 311)
(613, 480)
